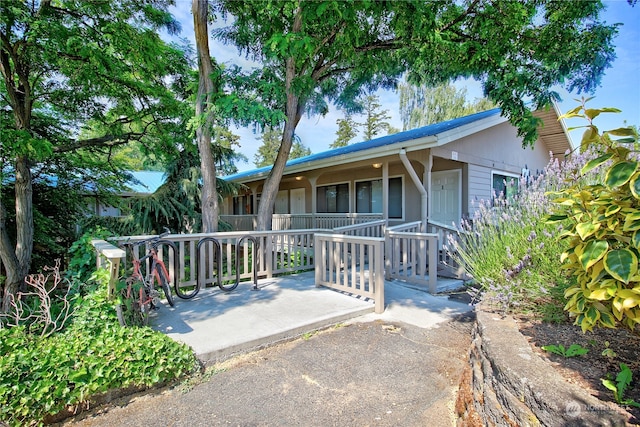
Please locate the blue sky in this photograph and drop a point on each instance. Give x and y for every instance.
(620, 87)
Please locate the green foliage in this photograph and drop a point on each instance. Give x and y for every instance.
(42, 376)
(512, 254)
(58, 207)
(620, 385)
(608, 352)
(422, 106)
(267, 152)
(347, 130)
(602, 229)
(82, 262)
(573, 350)
(78, 80)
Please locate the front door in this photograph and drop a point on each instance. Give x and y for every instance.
(282, 202)
(298, 205)
(445, 199)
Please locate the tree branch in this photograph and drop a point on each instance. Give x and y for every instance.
(469, 11)
(103, 141)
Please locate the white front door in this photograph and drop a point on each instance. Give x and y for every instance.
(282, 202)
(445, 197)
(297, 201)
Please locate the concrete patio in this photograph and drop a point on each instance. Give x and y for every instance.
(218, 325)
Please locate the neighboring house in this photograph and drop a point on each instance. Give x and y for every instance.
(435, 173)
(143, 182)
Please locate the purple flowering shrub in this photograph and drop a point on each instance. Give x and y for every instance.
(511, 253)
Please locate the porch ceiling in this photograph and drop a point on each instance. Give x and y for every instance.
(553, 132)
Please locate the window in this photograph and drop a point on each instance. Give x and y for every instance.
(333, 198)
(395, 198)
(504, 186)
(369, 197)
(242, 205)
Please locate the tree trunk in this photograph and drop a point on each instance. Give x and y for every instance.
(17, 261)
(293, 110)
(200, 10)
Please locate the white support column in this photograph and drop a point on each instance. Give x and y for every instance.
(419, 186)
(385, 191)
(314, 199)
(427, 180)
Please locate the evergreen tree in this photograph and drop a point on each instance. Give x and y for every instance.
(347, 130)
(376, 119)
(267, 152)
(422, 105)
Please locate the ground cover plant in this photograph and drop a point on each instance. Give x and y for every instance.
(63, 351)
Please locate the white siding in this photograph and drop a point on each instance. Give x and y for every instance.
(479, 186)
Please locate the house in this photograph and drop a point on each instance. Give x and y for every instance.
(141, 183)
(372, 210)
(433, 174)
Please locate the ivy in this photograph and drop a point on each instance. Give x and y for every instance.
(42, 376)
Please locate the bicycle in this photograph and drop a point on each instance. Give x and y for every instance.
(139, 295)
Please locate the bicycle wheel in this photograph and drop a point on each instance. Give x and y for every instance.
(133, 307)
(164, 282)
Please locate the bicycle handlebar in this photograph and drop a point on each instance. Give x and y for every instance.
(153, 239)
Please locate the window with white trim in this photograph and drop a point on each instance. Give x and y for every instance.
(504, 185)
(369, 197)
(333, 198)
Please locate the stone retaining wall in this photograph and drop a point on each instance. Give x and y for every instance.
(507, 384)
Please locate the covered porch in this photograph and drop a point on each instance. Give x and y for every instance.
(355, 260)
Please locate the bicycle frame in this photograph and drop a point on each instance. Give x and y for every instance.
(156, 271)
(152, 277)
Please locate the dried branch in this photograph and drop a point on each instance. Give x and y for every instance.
(39, 318)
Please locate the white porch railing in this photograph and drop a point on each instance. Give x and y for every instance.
(277, 252)
(350, 258)
(351, 264)
(367, 229)
(300, 221)
(240, 222)
(446, 262)
(412, 256)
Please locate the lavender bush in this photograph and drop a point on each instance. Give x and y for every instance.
(511, 253)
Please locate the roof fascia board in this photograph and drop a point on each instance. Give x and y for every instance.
(417, 144)
(385, 150)
(563, 123)
(468, 130)
(368, 154)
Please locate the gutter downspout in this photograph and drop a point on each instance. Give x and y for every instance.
(424, 197)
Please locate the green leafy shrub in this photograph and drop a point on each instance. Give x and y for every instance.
(82, 262)
(602, 229)
(43, 375)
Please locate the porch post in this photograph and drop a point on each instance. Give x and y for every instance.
(385, 191)
(314, 196)
(419, 186)
(427, 179)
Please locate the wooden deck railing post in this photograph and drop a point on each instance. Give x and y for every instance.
(113, 255)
